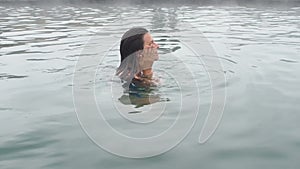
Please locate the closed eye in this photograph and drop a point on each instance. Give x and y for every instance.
(152, 42)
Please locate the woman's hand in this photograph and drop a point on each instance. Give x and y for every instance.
(147, 58)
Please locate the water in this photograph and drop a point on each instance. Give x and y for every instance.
(259, 49)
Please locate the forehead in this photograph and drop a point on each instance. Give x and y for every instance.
(147, 37)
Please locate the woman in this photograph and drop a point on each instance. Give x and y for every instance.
(138, 52)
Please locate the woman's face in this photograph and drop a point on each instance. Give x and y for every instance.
(149, 42)
(150, 47)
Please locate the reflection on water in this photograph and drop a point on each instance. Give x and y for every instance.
(258, 47)
(139, 94)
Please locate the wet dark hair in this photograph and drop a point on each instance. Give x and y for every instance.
(132, 41)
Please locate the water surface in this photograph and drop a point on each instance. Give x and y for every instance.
(259, 49)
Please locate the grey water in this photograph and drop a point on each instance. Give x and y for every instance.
(258, 47)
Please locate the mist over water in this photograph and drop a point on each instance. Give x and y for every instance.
(258, 45)
(160, 2)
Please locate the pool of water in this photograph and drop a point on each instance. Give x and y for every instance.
(258, 47)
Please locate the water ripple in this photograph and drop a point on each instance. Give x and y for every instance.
(288, 61)
(258, 47)
(9, 76)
